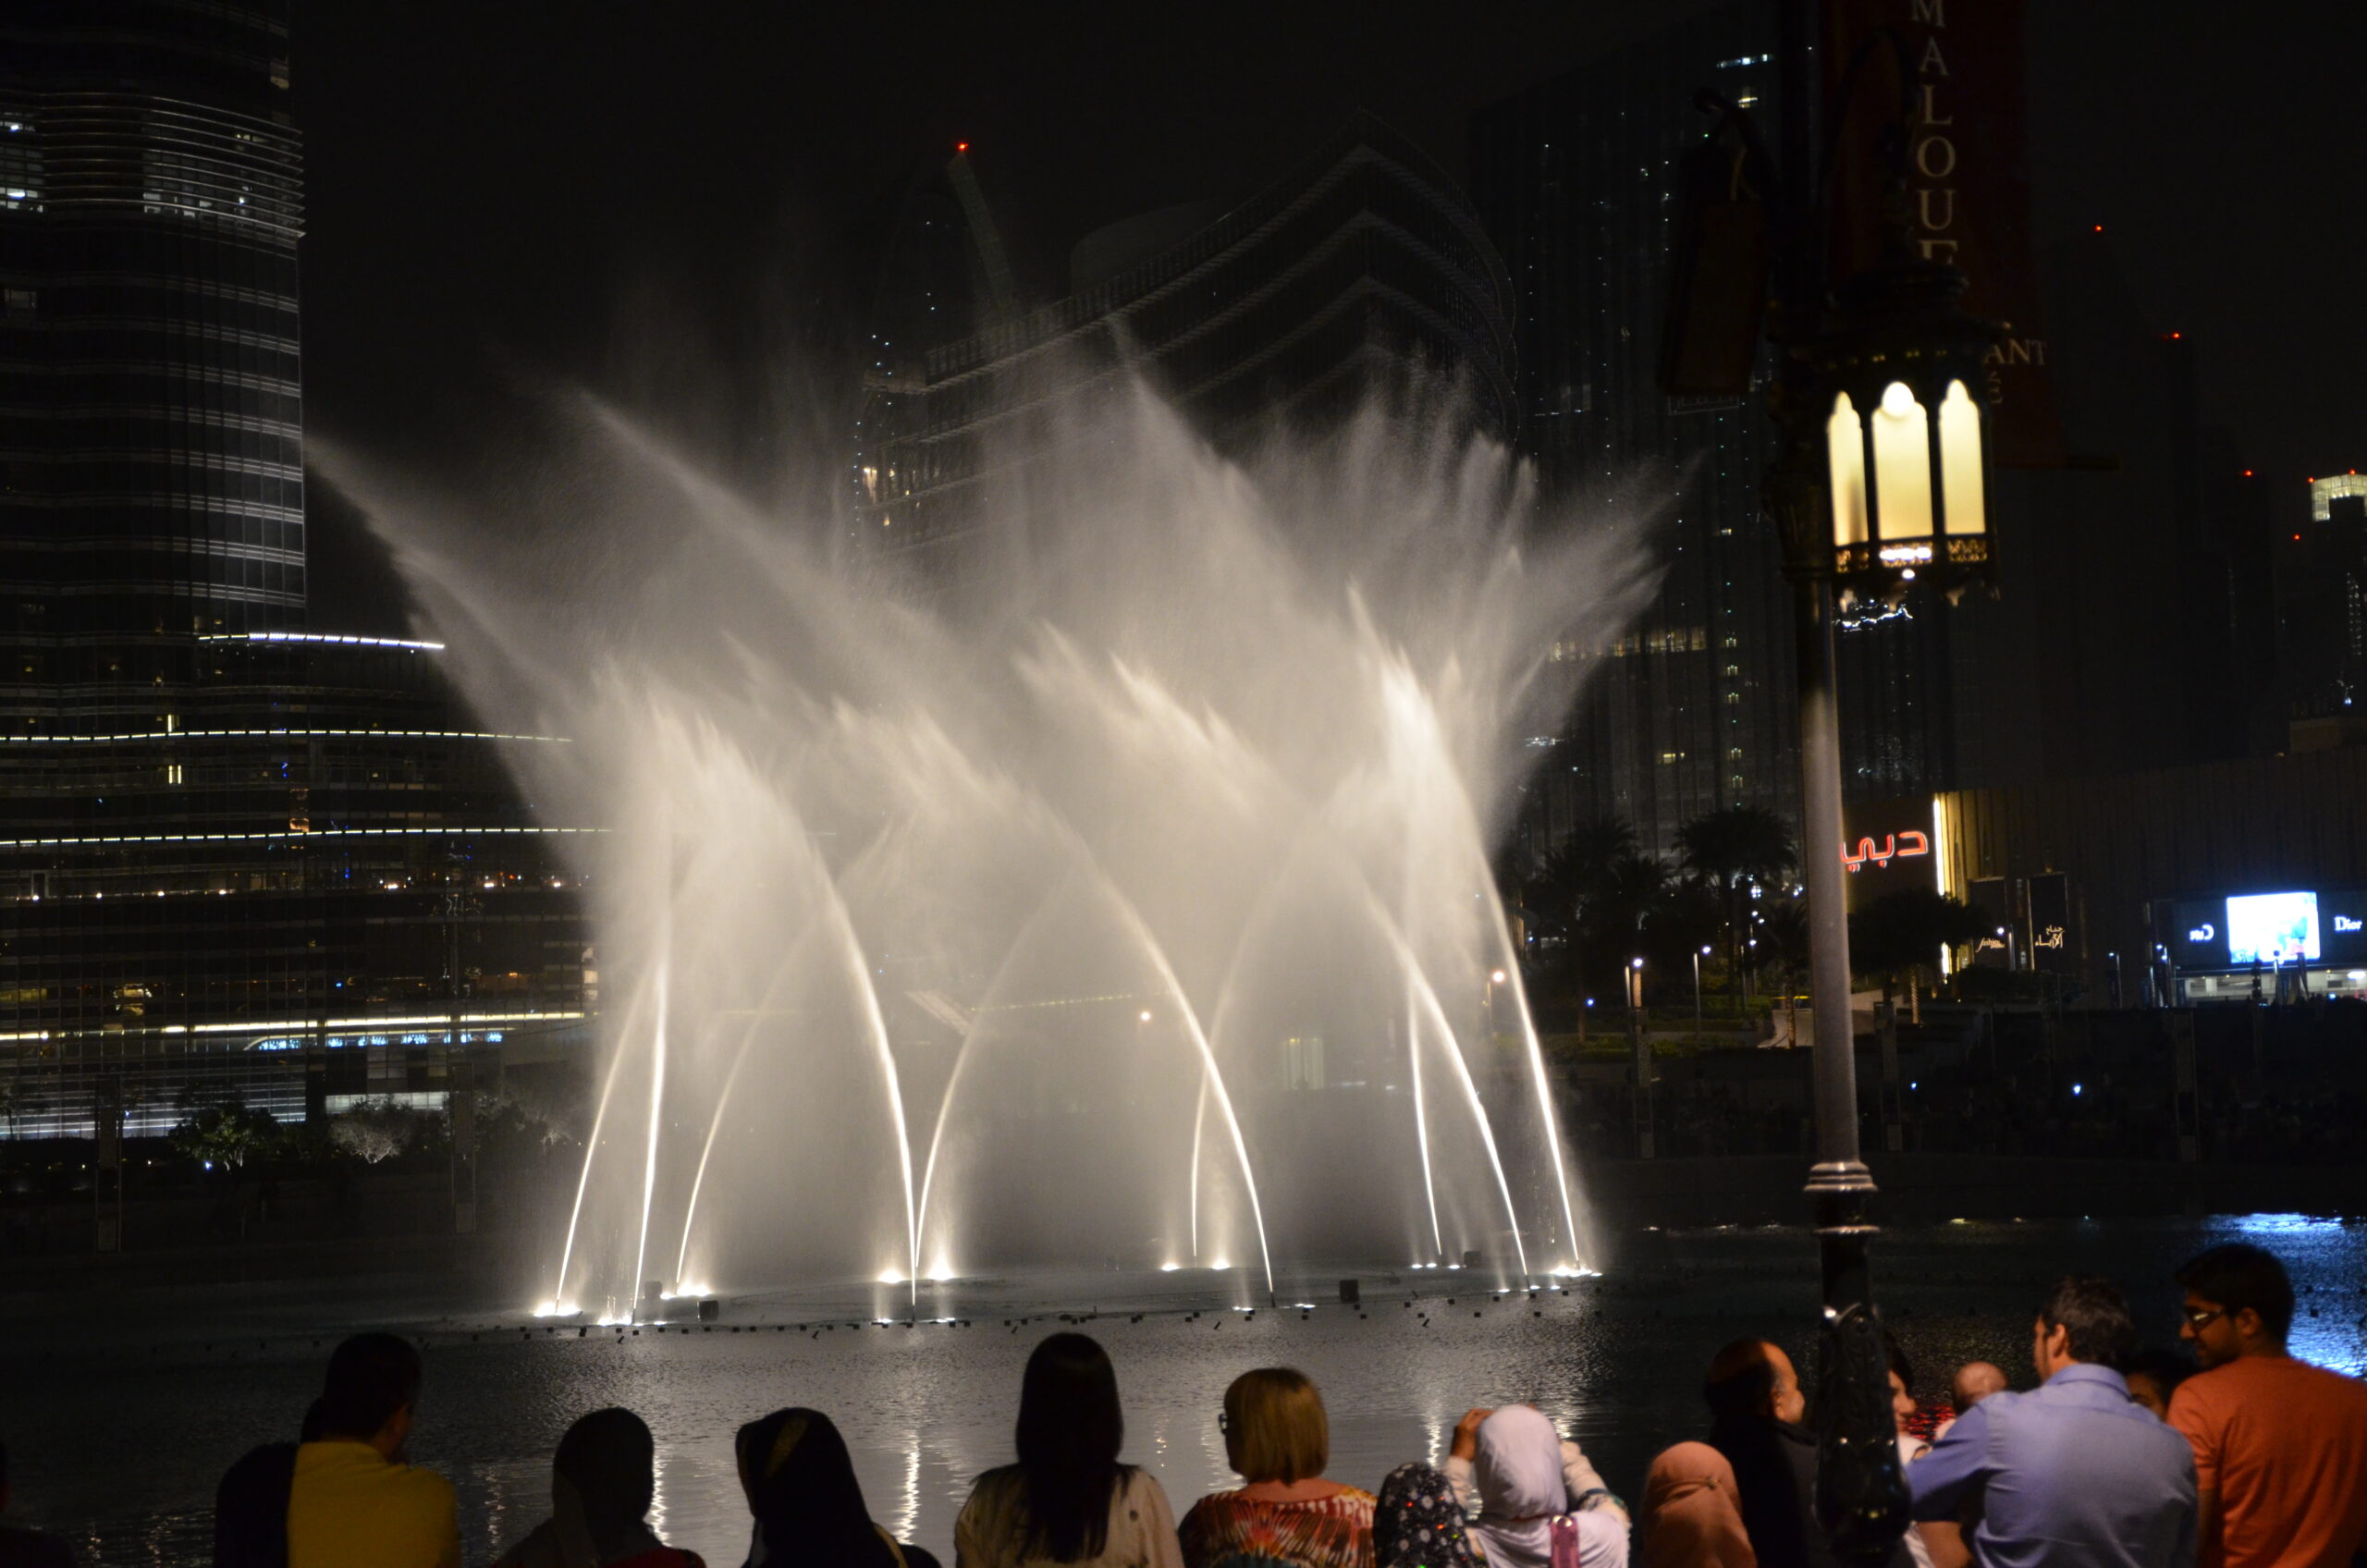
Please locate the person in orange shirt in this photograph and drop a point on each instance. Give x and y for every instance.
(353, 1503)
(2280, 1446)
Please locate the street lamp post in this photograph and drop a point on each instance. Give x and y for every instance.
(1640, 1054)
(1698, 956)
(1877, 489)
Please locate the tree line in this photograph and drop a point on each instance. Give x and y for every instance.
(1730, 894)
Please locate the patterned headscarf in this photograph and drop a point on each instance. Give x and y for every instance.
(1418, 1523)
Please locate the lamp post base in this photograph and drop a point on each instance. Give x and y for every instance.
(1862, 1487)
(1840, 1194)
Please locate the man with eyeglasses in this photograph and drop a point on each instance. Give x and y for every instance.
(2073, 1474)
(2280, 1446)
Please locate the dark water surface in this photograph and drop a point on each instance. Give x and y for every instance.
(121, 1409)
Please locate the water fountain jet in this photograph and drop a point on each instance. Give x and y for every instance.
(1128, 706)
(657, 1119)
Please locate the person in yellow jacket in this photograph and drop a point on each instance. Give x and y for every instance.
(353, 1503)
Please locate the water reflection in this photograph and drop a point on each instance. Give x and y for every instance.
(1215, 1460)
(908, 1509)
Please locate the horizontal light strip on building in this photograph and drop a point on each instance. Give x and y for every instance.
(287, 734)
(318, 637)
(423, 1021)
(300, 1025)
(316, 833)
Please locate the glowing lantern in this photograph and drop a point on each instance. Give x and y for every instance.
(1904, 434)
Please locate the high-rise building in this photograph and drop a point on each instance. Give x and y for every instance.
(241, 856)
(301, 877)
(1576, 179)
(1361, 260)
(2322, 614)
(2134, 626)
(2075, 668)
(151, 394)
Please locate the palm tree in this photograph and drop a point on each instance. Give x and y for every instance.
(1782, 935)
(1734, 848)
(1633, 887)
(1902, 933)
(1735, 845)
(1600, 897)
(1575, 873)
(1626, 892)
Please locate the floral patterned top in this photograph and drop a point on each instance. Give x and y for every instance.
(1324, 1532)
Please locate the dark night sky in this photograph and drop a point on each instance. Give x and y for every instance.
(674, 203)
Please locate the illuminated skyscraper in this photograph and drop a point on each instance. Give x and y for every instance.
(150, 383)
(1576, 180)
(2322, 611)
(240, 857)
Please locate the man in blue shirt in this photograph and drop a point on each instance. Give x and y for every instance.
(2075, 1472)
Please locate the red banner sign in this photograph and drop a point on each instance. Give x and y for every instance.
(1968, 181)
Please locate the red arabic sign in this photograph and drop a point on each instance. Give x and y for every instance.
(1894, 846)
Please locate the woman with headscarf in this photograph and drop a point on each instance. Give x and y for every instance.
(1068, 1499)
(1541, 1504)
(602, 1480)
(1690, 1517)
(1417, 1522)
(800, 1486)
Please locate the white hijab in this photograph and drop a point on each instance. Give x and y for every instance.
(1518, 1476)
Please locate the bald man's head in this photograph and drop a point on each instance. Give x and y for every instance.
(1975, 1381)
(1753, 1377)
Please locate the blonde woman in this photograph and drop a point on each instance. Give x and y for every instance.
(1279, 1439)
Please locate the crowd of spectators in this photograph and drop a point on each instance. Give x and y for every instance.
(2228, 1454)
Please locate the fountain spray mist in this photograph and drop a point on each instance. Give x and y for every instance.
(971, 835)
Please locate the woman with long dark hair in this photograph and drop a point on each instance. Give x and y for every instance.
(1068, 1499)
(800, 1486)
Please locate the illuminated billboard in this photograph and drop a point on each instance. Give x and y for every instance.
(2272, 929)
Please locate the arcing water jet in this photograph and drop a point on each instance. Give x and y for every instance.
(1029, 785)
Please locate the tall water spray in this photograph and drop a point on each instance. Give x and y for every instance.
(1111, 887)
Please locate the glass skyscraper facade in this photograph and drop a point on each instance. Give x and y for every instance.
(150, 389)
(236, 855)
(1576, 179)
(1356, 263)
